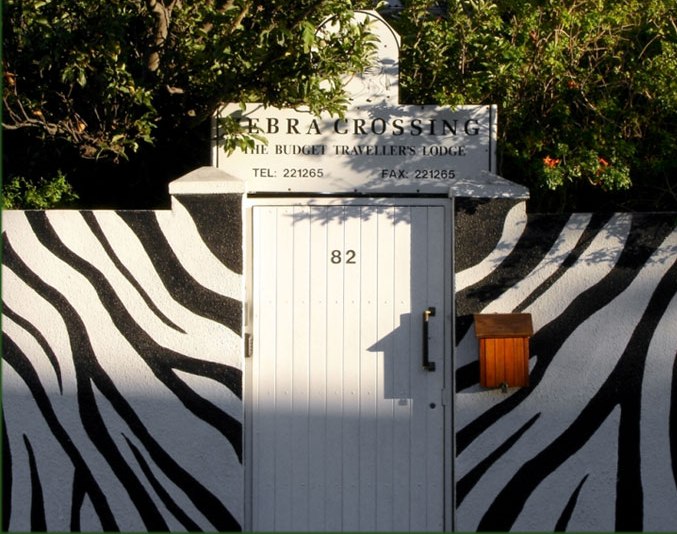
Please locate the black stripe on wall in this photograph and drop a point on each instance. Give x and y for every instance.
(166, 499)
(478, 225)
(596, 224)
(218, 219)
(568, 511)
(182, 286)
(468, 375)
(535, 242)
(93, 224)
(647, 233)
(6, 477)
(622, 388)
(672, 431)
(89, 374)
(18, 361)
(38, 519)
(468, 481)
(39, 338)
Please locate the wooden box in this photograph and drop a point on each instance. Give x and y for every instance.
(504, 348)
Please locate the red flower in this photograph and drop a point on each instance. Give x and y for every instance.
(550, 162)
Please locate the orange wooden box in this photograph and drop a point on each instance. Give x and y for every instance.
(504, 348)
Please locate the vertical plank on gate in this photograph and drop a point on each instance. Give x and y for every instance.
(434, 380)
(398, 365)
(283, 364)
(384, 428)
(349, 270)
(419, 303)
(300, 376)
(335, 373)
(369, 366)
(317, 454)
(263, 470)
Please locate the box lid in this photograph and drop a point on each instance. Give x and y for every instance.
(503, 325)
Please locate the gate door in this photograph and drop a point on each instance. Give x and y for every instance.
(347, 425)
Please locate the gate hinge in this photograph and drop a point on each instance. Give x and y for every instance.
(248, 345)
(446, 397)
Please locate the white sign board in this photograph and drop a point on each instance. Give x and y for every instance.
(379, 149)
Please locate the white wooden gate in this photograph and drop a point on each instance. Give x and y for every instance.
(346, 426)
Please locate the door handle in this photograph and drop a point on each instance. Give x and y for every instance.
(427, 314)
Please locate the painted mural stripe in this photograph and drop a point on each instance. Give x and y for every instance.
(77, 501)
(542, 274)
(18, 361)
(504, 510)
(39, 338)
(514, 225)
(629, 500)
(38, 519)
(590, 266)
(223, 344)
(534, 243)
(659, 483)
(164, 496)
(469, 215)
(563, 521)
(183, 287)
(673, 421)
(88, 372)
(223, 213)
(160, 359)
(98, 233)
(7, 487)
(191, 250)
(468, 481)
(178, 477)
(89, 315)
(593, 228)
(644, 238)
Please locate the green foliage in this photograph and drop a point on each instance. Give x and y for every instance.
(586, 88)
(106, 75)
(112, 78)
(19, 193)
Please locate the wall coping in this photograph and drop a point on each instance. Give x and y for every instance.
(213, 181)
(206, 181)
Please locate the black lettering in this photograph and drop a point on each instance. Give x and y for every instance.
(273, 127)
(416, 127)
(380, 130)
(336, 126)
(448, 127)
(252, 126)
(397, 127)
(471, 131)
(292, 126)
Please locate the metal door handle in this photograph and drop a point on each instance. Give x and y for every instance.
(427, 364)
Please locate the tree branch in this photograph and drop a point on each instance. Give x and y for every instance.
(163, 15)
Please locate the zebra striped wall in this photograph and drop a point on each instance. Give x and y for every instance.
(123, 357)
(122, 368)
(592, 443)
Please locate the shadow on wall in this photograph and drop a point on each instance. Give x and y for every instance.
(601, 291)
